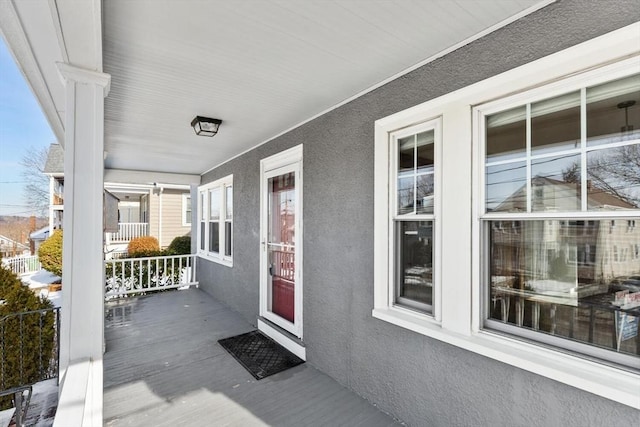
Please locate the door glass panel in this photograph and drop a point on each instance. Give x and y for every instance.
(281, 246)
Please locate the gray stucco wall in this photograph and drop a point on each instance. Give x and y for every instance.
(420, 380)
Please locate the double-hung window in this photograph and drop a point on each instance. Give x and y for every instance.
(411, 280)
(215, 223)
(563, 169)
(508, 226)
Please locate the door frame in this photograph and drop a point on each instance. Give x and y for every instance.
(288, 160)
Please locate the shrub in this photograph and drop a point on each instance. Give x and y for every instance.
(181, 245)
(28, 342)
(143, 246)
(50, 253)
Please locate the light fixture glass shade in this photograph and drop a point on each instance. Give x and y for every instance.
(205, 126)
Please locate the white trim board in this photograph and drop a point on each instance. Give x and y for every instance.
(282, 339)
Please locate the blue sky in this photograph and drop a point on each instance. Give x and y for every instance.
(22, 127)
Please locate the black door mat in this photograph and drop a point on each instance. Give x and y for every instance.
(259, 354)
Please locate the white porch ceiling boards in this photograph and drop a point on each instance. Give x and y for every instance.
(260, 66)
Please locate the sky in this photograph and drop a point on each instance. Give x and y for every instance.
(23, 127)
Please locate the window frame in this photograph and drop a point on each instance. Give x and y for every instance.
(185, 216)
(204, 221)
(392, 301)
(460, 263)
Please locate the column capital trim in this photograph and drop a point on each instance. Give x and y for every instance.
(70, 72)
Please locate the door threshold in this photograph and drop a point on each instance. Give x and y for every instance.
(282, 337)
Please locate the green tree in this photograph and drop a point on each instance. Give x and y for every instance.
(50, 253)
(26, 340)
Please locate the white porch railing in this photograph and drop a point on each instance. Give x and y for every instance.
(128, 231)
(142, 275)
(23, 264)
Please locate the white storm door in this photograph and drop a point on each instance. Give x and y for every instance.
(281, 240)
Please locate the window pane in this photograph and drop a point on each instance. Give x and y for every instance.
(424, 200)
(203, 205)
(214, 203)
(187, 213)
(214, 237)
(406, 151)
(415, 262)
(506, 135)
(282, 208)
(562, 278)
(555, 124)
(613, 178)
(506, 187)
(229, 202)
(203, 240)
(613, 111)
(405, 194)
(425, 159)
(555, 184)
(227, 238)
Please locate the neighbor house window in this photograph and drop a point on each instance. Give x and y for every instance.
(565, 168)
(186, 210)
(215, 223)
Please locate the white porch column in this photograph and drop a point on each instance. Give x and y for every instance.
(82, 318)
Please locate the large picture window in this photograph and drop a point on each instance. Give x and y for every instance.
(215, 234)
(561, 196)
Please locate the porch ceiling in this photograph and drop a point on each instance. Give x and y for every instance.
(262, 67)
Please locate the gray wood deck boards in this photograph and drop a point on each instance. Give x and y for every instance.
(164, 367)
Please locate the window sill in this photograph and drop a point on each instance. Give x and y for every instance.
(217, 260)
(606, 381)
(417, 322)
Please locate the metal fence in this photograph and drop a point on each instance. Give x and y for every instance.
(29, 353)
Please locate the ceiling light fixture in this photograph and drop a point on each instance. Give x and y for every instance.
(205, 126)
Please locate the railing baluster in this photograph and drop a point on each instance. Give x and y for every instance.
(161, 272)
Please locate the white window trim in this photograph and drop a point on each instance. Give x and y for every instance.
(386, 289)
(186, 196)
(217, 257)
(459, 256)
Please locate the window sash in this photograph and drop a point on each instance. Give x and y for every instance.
(398, 282)
(581, 213)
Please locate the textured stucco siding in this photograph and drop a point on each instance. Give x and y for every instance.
(420, 380)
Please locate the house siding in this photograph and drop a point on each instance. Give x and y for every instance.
(172, 216)
(420, 380)
(153, 215)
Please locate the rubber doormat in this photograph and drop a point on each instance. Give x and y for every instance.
(259, 354)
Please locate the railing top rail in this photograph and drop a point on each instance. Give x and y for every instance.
(22, 313)
(150, 258)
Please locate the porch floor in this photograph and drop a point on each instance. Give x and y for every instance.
(164, 367)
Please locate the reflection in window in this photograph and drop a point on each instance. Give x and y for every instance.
(415, 266)
(613, 111)
(415, 173)
(562, 285)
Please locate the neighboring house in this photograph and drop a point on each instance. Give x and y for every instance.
(10, 248)
(155, 209)
(358, 234)
(39, 236)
